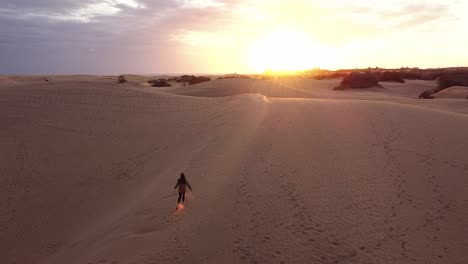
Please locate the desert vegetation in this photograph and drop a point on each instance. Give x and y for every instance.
(370, 77)
(190, 79)
(234, 76)
(394, 75)
(390, 76)
(159, 83)
(427, 94)
(121, 79)
(455, 79)
(356, 80)
(447, 80)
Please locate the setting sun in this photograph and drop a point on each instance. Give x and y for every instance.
(285, 49)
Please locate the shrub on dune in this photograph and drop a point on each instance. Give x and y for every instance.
(449, 80)
(159, 83)
(426, 95)
(337, 75)
(356, 80)
(391, 76)
(233, 76)
(327, 75)
(445, 81)
(199, 79)
(319, 77)
(410, 75)
(430, 76)
(121, 79)
(190, 79)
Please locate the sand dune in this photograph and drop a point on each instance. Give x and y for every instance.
(300, 88)
(229, 87)
(404, 93)
(453, 92)
(88, 167)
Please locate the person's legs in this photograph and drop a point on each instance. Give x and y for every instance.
(180, 196)
(183, 197)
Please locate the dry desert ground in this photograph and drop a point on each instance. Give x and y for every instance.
(283, 171)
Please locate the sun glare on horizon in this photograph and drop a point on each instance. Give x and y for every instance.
(285, 50)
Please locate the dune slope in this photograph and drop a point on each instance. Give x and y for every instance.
(405, 93)
(453, 92)
(87, 172)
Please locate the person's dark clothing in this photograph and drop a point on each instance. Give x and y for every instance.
(183, 184)
(181, 196)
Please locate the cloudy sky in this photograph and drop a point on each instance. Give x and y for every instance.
(201, 36)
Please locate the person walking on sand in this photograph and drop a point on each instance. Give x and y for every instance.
(183, 184)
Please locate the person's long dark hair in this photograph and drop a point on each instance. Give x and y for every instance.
(182, 178)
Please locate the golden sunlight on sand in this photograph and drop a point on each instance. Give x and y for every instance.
(283, 170)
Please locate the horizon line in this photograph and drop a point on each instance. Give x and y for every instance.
(226, 73)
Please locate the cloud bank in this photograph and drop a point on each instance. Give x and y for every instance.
(144, 36)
